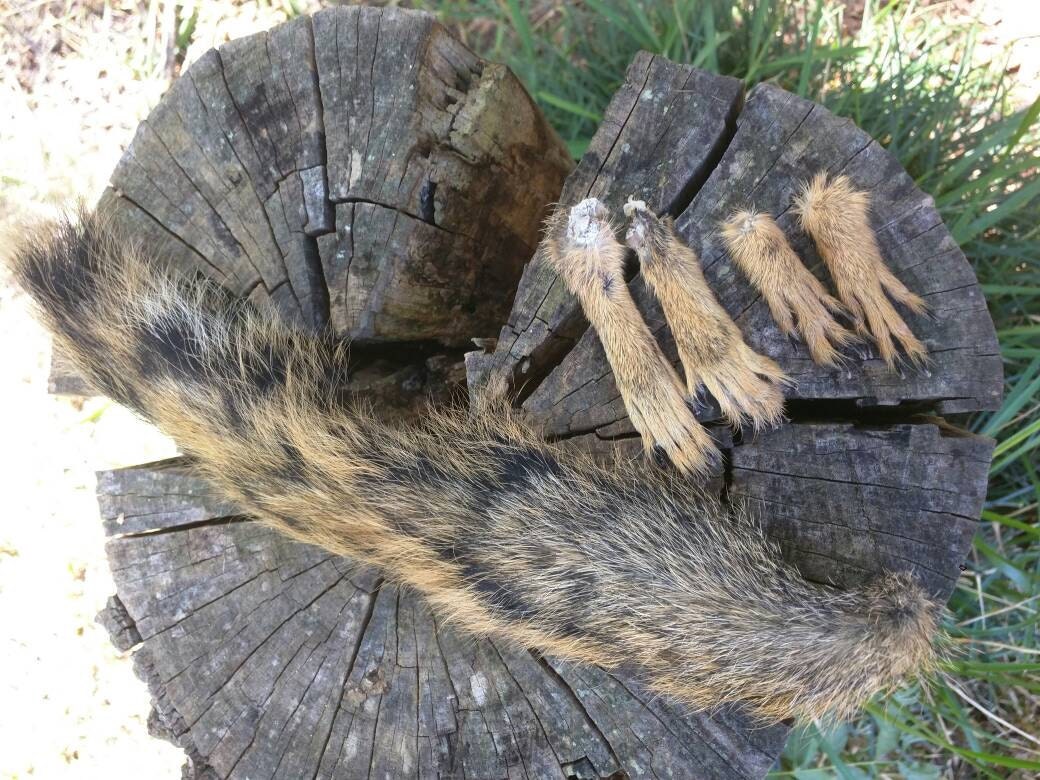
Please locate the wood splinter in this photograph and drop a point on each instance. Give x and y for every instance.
(581, 246)
(799, 303)
(746, 385)
(835, 214)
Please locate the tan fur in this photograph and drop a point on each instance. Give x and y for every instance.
(795, 297)
(711, 347)
(503, 533)
(836, 215)
(580, 244)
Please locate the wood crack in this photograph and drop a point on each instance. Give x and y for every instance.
(566, 688)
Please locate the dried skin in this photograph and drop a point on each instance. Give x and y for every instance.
(502, 533)
(581, 247)
(836, 215)
(796, 299)
(746, 385)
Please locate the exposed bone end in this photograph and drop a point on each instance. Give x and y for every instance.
(637, 211)
(741, 223)
(633, 205)
(588, 223)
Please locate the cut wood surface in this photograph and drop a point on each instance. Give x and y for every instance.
(363, 170)
(779, 142)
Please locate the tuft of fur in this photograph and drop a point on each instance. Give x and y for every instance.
(503, 533)
(836, 215)
(746, 385)
(796, 299)
(582, 248)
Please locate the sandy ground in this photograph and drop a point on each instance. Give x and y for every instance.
(75, 79)
(71, 704)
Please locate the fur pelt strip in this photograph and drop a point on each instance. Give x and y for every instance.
(502, 533)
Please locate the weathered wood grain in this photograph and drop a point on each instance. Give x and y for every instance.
(780, 142)
(427, 146)
(253, 154)
(267, 90)
(156, 496)
(196, 140)
(848, 502)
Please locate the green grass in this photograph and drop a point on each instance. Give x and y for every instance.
(907, 77)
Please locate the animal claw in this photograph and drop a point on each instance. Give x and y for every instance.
(704, 405)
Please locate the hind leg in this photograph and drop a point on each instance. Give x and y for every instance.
(798, 302)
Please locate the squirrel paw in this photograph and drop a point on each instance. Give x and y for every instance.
(661, 414)
(590, 260)
(746, 386)
(797, 300)
(835, 214)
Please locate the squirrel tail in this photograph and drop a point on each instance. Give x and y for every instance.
(501, 532)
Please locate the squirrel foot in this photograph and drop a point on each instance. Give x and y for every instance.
(580, 244)
(835, 214)
(746, 385)
(796, 299)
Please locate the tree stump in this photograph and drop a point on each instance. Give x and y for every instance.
(363, 170)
